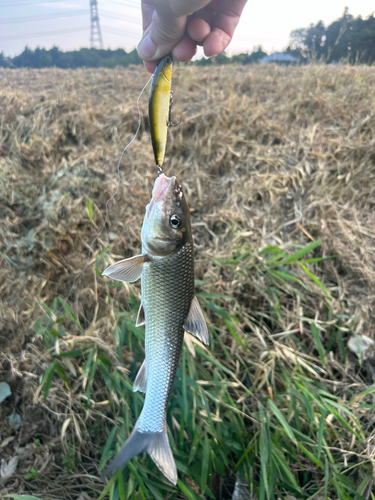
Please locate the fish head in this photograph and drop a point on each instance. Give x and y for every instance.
(166, 226)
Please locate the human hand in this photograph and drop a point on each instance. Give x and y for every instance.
(178, 26)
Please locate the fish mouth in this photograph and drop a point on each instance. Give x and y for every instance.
(161, 185)
(160, 238)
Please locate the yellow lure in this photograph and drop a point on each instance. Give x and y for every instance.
(159, 107)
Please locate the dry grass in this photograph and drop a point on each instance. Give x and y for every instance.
(267, 155)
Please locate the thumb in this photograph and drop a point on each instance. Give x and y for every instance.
(164, 32)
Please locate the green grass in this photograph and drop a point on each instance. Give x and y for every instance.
(255, 404)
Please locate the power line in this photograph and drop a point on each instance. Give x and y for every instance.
(126, 3)
(126, 33)
(43, 33)
(123, 3)
(57, 15)
(107, 29)
(25, 2)
(113, 15)
(20, 3)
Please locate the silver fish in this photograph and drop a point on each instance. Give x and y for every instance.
(168, 307)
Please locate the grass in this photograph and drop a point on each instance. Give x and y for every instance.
(276, 169)
(284, 439)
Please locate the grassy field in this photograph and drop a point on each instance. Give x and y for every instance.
(279, 169)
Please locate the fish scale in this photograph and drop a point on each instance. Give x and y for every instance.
(167, 292)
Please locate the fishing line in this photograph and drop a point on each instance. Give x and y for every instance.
(109, 199)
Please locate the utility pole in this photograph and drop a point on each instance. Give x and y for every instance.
(96, 39)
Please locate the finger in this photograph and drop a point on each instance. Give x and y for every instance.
(147, 11)
(228, 15)
(198, 29)
(184, 8)
(185, 49)
(199, 25)
(227, 18)
(164, 32)
(208, 12)
(216, 42)
(150, 65)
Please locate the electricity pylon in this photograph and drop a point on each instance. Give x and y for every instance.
(96, 39)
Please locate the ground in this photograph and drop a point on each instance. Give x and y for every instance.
(272, 159)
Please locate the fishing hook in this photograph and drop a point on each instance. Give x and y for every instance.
(169, 121)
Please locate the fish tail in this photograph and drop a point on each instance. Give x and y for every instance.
(156, 444)
(161, 453)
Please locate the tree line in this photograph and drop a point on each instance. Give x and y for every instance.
(350, 39)
(347, 39)
(86, 58)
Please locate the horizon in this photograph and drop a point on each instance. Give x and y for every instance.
(121, 25)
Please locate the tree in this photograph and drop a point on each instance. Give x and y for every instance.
(311, 38)
(347, 38)
(4, 63)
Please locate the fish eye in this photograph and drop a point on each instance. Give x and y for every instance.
(168, 60)
(175, 221)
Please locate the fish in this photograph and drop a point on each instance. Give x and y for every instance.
(159, 107)
(168, 307)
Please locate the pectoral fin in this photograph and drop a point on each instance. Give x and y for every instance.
(141, 320)
(140, 382)
(128, 270)
(195, 322)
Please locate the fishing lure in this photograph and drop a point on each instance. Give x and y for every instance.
(160, 104)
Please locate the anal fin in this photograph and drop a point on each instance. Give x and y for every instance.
(140, 382)
(195, 322)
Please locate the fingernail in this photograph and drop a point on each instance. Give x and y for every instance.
(146, 48)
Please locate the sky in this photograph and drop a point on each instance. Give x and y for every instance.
(66, 23)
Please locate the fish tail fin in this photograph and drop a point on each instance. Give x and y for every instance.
(156, 444)
(135, 444)
(161, 453)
